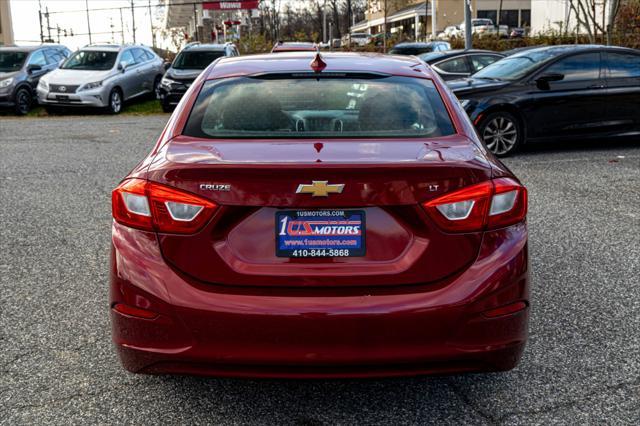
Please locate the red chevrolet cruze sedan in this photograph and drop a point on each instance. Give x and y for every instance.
(319, 216)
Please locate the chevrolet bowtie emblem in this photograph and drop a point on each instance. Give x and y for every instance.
(320, 188)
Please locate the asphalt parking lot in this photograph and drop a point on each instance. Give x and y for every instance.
(57, 364)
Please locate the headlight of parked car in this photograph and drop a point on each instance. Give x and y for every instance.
(6, 82)
(90, 86)
(43, 84)
(166, 81)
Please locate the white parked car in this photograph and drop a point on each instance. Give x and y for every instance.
(452, 31)
(480, 26)
(360, 39)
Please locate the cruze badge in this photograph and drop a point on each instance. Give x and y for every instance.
(215, 187)
(320, 188)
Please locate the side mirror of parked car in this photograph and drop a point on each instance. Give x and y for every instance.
(122, 66)
(543, 81)
(33, 68)
(166, 65)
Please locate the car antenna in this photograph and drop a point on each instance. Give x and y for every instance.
(318, 64)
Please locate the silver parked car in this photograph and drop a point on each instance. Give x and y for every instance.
(102, 76)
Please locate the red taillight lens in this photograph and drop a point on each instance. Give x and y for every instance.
(487, 205)
(153, 207)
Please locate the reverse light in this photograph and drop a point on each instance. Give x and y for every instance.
(488, 205)
(153, 207)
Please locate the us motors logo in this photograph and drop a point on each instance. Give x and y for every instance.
(299, 228)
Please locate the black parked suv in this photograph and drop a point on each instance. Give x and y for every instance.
(20, 72)
(186, 67)
(554, 92)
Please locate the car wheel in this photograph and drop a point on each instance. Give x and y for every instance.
(23, 101)
(115, 102)
(156, 85)
(501, 132)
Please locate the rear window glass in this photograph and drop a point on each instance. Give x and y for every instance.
(319, 107)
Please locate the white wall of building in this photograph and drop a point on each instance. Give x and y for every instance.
(550, 15)
(554, 15)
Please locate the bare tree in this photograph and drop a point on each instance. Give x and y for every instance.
(587, 14)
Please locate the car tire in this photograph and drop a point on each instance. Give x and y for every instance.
(501, 132)
(156, 85)
(23, 101)
(115, 102)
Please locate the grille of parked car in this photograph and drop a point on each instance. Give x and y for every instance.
(64, 88)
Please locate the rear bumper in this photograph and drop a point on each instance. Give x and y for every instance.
(276, 332)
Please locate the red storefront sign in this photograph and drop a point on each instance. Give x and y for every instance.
(230, 5)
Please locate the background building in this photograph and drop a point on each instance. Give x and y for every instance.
(410, 16)
(6, 29)
(513, 13)
(209, 21)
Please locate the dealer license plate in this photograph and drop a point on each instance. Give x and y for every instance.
(320, 233)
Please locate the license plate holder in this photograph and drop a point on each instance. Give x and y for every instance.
(320, 233)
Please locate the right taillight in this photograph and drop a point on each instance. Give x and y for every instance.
(488, 205)
(153, 207)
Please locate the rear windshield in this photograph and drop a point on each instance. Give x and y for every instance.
(197, 60)
(319, 107)
(12, 61)
(90, 60)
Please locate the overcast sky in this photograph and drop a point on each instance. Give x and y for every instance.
(26, 26)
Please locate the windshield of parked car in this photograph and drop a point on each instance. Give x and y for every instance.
(12, 61)
(516, 66)
(411, 50)
(325, 107)
(431, 55)
(196, 60)
(90, 60)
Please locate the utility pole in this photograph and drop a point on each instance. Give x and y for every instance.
(384, 29)
(498, 17)
(434, 25)
(349, 19)
(121, 26)
(195, 24)
(133, 22)
(86, 3)
(48, 25)
(153, 36)
(40, 19)
(324, 22)
(467, 25)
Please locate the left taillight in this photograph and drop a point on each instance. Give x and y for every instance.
(488, 205)
(153, 207)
